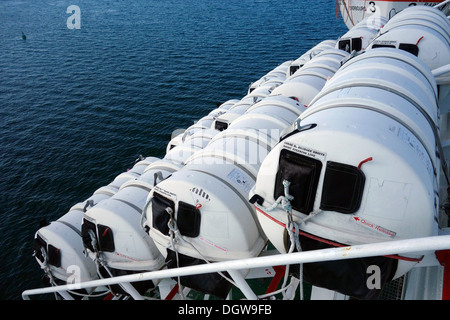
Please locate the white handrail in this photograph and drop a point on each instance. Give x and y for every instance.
(441, 4)
(441, 70)
(418, 245)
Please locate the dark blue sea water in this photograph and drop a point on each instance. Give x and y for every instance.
(77, 106)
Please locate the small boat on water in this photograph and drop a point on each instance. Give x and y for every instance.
(344, 148)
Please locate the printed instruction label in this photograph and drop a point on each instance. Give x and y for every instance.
(319, 155)
(385, 43)
(240, 179)
(166, 193)
(373, 226)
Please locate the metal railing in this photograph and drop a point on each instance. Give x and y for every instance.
(441, 4)
(425, 245)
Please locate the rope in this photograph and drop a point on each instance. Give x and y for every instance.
(157, 175)
(293, 230)
(175, 235)
(47, 271)
(46, 267)
(100, 263)
(98, 259)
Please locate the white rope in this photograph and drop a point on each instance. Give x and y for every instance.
(173, 235)
(98, 259)
(282, 289)
(48, 272)
(293, 232)
(174, 228)
(293, 229)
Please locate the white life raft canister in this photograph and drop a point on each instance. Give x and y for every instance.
(201, 213)
(305, 83)
(111, 232)
(308, 55)
(420, 30)
(360, 167)
(58, 246)
(362, 34)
